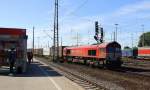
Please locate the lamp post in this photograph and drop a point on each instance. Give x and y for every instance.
(38, 38)
(143, 37)
(33, 42)
(116, 26)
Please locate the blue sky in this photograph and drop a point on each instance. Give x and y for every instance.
(77, 16)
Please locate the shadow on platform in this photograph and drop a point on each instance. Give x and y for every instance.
(35, 69)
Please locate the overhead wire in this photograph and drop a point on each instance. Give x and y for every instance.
(79, 7)
(75, 10)
(47, 34)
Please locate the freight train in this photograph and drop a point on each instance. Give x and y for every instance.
(104, 54)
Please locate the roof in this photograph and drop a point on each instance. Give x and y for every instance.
(12, 31)
(143, 47)
(102, 45)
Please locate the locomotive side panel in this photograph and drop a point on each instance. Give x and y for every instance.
(93, 52)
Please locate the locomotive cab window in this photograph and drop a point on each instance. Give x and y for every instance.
(68, 51)
(92, 52)
(118, 50)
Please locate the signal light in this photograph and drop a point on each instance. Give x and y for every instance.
(96, 28)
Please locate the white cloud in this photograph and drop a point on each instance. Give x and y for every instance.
(133, 8)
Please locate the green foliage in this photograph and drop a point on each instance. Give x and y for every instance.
(127, 47)
(144, 40)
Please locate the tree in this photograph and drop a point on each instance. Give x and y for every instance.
(144, 39)
(127, 47)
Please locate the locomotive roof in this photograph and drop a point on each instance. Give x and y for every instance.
(102, 45)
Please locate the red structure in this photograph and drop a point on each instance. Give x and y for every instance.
(13, 38)
(106, 53)
(12, 31)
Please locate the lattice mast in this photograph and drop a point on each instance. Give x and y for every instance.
(56, 34)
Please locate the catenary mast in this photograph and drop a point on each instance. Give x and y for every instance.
(56, 34)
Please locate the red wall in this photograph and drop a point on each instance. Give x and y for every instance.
(12, 31)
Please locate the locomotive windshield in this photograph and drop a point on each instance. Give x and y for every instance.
(112, 50)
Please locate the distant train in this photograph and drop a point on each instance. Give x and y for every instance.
(130, 53)
(105, 54)
(137, 53)
(143, 53)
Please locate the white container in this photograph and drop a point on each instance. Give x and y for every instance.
(46, 51)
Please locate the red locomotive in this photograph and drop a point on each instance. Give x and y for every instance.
(105, 54)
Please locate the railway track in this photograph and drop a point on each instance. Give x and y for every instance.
(115, 80)
(133, 70)
(87, 82)
(78, 78)
(104, 79)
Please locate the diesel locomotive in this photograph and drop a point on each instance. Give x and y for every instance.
(104, 54)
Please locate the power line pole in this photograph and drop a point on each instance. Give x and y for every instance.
(77, 39)
(48, 44)
(132, 39)
(56, 33)
(116, 31)
(88, 37)
(33, 42)
(114, 36)
(71, 35)
(143, 37)
(38, 42)
(61, 43)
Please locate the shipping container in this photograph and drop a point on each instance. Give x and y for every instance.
(46, 51)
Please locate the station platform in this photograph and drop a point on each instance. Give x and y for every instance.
(39, 76)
